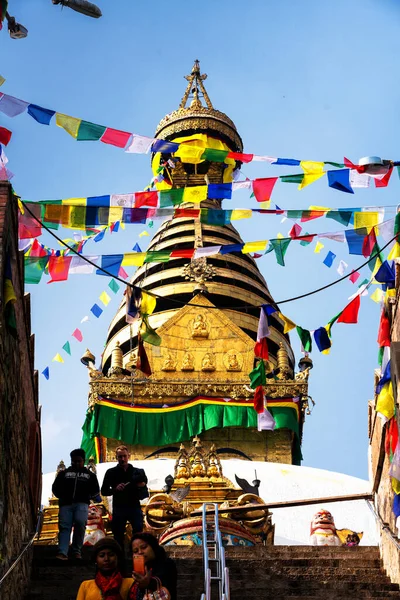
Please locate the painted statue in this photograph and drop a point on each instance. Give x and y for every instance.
(323, 530)
(95, 526)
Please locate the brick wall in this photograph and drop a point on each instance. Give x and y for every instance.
(20, 447)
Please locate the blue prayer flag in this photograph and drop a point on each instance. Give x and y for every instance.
(136, 248)
(220, 191)
(46, 373)
(98, 201)
(329, 258)
(96, 310)
(99, 236)
(111, 263)
(292, 162)
(231, 248)
(41, 115)
(135, 215)
(396, 505)
(355, 240)
(269, 309)
(164, 146)
(340, 180)
(322, 339)
(384, 379)
(386, 274)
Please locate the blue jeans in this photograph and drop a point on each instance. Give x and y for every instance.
(73, 515)
(120, 516)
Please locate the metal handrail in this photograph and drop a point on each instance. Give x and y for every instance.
(384, 526)
(28, 545)
(222, 575)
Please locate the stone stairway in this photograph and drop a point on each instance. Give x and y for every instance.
(276, 573)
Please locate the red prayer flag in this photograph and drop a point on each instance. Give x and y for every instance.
(306, 238)
(384, 331)
(78, 335)
(261, 349)
(59, 267)
(5, 135)
(392, 436)
(115, 137)
(369, 243)
(262, 188)
(295, 231)
(186, 212)
(350, 312)
(259, 399)
(350, 165)
(354, 276)
(309, 215)
(244, 158)
(385, 180)
(142, 361)
(184, 253)
(37, 249)
(146, 199)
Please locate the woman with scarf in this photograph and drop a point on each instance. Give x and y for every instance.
(160, 570)
(108, 583)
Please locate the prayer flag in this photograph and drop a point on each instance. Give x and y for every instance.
(59, 268)
(355, 240)
(136, 248)
(104, 298)
(183, 253)
(110, 263)
(11, 106)
(384, 331)
(318, 247)
(395, 251)
(67, 348)
(77, 334)
(259, 399)
(164, 147)
(132, 304)
(342, 268)
(122, 273)
(359, 180)
(385, 401)
(85, 319)
(396, 505)
(257, 376)
(46, 373)
(113, 285)
(189, 154)
(292, 178)
(269, 309)
(386, 376)
(41, 115)
(378, 295)
(291, 162)
(244, 158)
(305, 338)
(385, 180)
(34, 268)
(213, 155)
(220, 191)
(263, 327)
(366, 219)
(279, 247)
(350, 312)
(295, 231)
(148, 303)
(146, 199)
(143, 363)
(144, 233)
(386, 274)
(172, 197)
(148, 334)
(312, 171)
(329, 258)
(288, 324)
(140, 144)
(58, 358)
(70, 124)
(195, 194)
(341, 216)
(369, 243)
(265, 421)
(254, 246)
(261, 349)
(5, 135)
(340, 180)
(206, 251)
(115, 137)
(354, 276)
(262, 188)
(96, 310)
(322, 339)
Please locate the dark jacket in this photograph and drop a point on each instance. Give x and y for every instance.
(132, 494)
(165, 570)
(75, 486)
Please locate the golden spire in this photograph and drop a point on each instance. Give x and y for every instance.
(196, 87)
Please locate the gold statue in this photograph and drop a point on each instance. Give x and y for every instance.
(182, 469)
(214, 468)
(232, 361)
(199, 327)
(169, 363)
(187, 362)
(207, 364)
(197, 459)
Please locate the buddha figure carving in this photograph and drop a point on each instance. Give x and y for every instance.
(208, 364)
(169, 363)
(214, 468)
(187, 362)
(199, 327)
(233, 361)
(197, 459)
(182, 469)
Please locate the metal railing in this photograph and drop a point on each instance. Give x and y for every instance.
(213, 555)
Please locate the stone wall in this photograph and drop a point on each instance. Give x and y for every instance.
(20, 447)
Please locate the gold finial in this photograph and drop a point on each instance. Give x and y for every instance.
(116, 356)
(283, 363)
(88, 358)
(195, 88)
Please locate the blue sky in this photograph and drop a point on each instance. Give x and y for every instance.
(310, 80)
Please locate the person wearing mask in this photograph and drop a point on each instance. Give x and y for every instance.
(127, 486)
(109, 582)
(74, 487)
(159, 568)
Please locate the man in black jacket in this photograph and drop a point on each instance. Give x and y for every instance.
(74, 487)
(127, 486)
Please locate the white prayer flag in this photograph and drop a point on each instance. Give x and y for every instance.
(265, 421)
(208, 251)
(79, 266)
(11, 106)
(259, 158)
(263, 328)
(241, 185)
(140, 144)
(342, 268)
(359, 180)
(122, 200)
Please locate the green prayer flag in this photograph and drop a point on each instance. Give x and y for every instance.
(305, 337)
(34, 268)
(90, 131)
(341, 216)
(294, 214)
(171, 197)
(333, 164)
(257, 376)
(364, 282)
(279, 247)
(214, 155)
(157, 256)
(331, 323)
(306, 242)
(397, 223)
(113, 285)
(67, 348)
(380, 353)
(292, 178)
(148, 334)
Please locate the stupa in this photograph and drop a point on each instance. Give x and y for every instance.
(206, 314)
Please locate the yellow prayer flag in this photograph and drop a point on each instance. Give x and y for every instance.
(195, 194)
(395, 252)
(148, 304)
(115, 214)
(238, 214)
(378, 295)
(390, 294)
(318, 247)
(254, 246)
(385, 401)
(70, 124)
(288, 324)
(122, 225)
(307, 179)
(366, 219)
(312, 171)
(20, 206)
(144, 233)
(2, 80)
(319, 208)
(265, 205)
(189, 154)
(104, 298)
(133, 259)
(74, 201)
(9, 292)
(58, 358)
(395, 485)
(378, 264)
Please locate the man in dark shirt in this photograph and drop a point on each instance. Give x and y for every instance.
(74, 487)
(127, 486)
